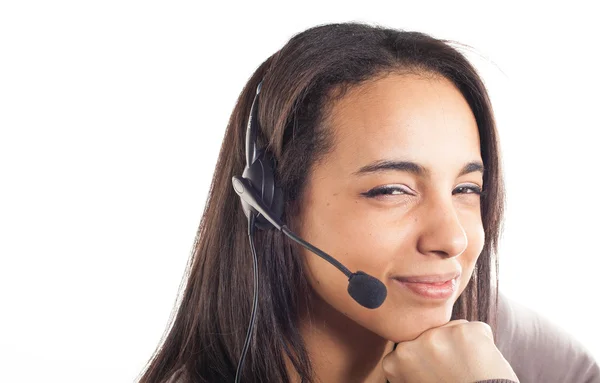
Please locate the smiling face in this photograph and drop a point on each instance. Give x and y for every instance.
(367, 207)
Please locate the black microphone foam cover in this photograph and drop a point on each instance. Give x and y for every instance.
(368, 291)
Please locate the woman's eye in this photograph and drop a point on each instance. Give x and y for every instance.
(384, 190)
(394, 190)
(469, 190)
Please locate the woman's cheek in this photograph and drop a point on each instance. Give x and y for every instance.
(476, 238)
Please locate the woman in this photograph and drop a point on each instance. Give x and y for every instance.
(387, 156)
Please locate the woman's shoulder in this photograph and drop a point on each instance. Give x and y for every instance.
(539, 350)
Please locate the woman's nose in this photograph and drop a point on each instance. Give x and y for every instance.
(441, 233)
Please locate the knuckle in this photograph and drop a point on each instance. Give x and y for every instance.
(460, 331)
(430, 335)
(484, 329)
(434, 340)
(467, 334)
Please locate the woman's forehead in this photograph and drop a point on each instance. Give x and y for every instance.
(426, 120)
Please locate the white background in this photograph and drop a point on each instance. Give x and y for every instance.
(112, 115)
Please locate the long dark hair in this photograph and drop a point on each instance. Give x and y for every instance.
(206, 334)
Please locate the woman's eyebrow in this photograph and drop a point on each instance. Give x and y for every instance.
(413, 167)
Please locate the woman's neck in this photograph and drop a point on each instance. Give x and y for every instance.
(341, 350)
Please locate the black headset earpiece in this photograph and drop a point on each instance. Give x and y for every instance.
(260, 171)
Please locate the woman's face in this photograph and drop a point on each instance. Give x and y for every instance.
(424, 222)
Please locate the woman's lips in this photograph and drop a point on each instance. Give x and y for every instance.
(434, 290)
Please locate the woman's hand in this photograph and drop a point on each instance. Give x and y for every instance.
(459, 351)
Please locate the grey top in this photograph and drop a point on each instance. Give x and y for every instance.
(540, 351)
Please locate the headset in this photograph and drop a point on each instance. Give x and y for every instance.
(263, 204)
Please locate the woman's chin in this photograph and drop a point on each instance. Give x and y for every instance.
(407, 330)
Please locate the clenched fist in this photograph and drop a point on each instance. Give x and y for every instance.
(458, 352)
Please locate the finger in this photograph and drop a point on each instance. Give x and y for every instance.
(399, 363)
